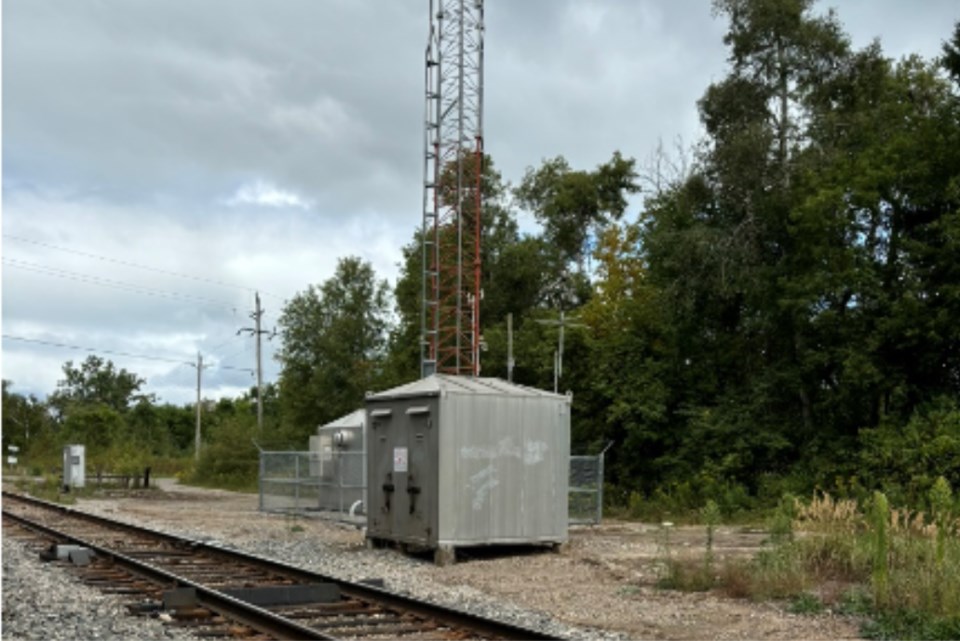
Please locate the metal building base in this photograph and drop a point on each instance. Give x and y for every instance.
(447, 554)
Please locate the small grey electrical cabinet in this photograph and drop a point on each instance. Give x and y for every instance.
(74, 466)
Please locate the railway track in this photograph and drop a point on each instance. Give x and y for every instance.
(226, 593)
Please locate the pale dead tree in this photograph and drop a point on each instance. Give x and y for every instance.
(663, 169)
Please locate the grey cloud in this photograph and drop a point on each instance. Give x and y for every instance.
(185, 96)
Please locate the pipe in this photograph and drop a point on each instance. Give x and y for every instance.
(354, 507)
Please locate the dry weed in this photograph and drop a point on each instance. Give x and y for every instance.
(825, 513)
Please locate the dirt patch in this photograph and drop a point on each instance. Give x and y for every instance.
(604, 577)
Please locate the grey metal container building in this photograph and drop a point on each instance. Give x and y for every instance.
(338, 463)
(456, 461)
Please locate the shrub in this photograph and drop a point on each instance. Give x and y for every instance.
(230, 460)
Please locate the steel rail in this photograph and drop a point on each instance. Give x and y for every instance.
(229, 607)
(443, 614)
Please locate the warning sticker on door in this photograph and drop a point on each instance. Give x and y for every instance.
(399, 459)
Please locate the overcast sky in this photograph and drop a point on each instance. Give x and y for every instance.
(164, 159)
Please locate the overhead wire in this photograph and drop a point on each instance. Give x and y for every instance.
(178, 361)
(245, 350)
(115, 284)
(126, 263)
(129, 287)
(233, 338)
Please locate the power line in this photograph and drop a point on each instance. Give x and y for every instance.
(116, 261)
(224, 343)
(116, 353)
(245, 350)
(114, 284)
(93, 349)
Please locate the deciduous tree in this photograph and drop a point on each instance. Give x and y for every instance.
(334, 338)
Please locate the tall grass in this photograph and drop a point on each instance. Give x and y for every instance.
(900, 567)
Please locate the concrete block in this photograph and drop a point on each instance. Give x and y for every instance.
(288, 594)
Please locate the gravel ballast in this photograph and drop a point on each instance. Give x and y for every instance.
(45, 602)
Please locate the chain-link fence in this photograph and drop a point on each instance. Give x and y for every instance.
(585, 503)
(333, 484)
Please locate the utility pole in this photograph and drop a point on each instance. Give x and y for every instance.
(196, 436)
(256, 331)
(558, 355)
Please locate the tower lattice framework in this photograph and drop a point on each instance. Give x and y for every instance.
(452, 199)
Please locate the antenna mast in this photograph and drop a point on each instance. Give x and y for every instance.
(452, 199)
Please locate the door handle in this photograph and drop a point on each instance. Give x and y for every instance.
(413, 491)
(387, 493)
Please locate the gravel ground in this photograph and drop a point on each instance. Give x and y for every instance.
(599, 588)
(44, 602)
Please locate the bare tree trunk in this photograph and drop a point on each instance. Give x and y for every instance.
(783, 131)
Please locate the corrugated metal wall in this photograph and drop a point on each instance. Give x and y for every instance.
(503, 469)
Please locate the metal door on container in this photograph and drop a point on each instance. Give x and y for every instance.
(416, 485)
(381, 488)
(402, 500)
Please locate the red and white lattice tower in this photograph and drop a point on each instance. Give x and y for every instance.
(452, 202)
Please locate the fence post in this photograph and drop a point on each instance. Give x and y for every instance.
(260, 482)
(296, 485)
(339, 456)
(600, 487)
(603, 454)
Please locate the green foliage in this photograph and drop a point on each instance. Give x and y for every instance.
(905, 459)
(334, 338)
(26, 425)
(942, 509)
(951, 55)
(293, 523)
(97, 381)
(685, 501)
(229, 458)
(855, 602)
(569, 204)
(635, 505)
(49, 488)
(804, 271)
(781, 523)
(98, 427)
(710, 513)
(912, 624)
(805, 603)
(164, 430)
